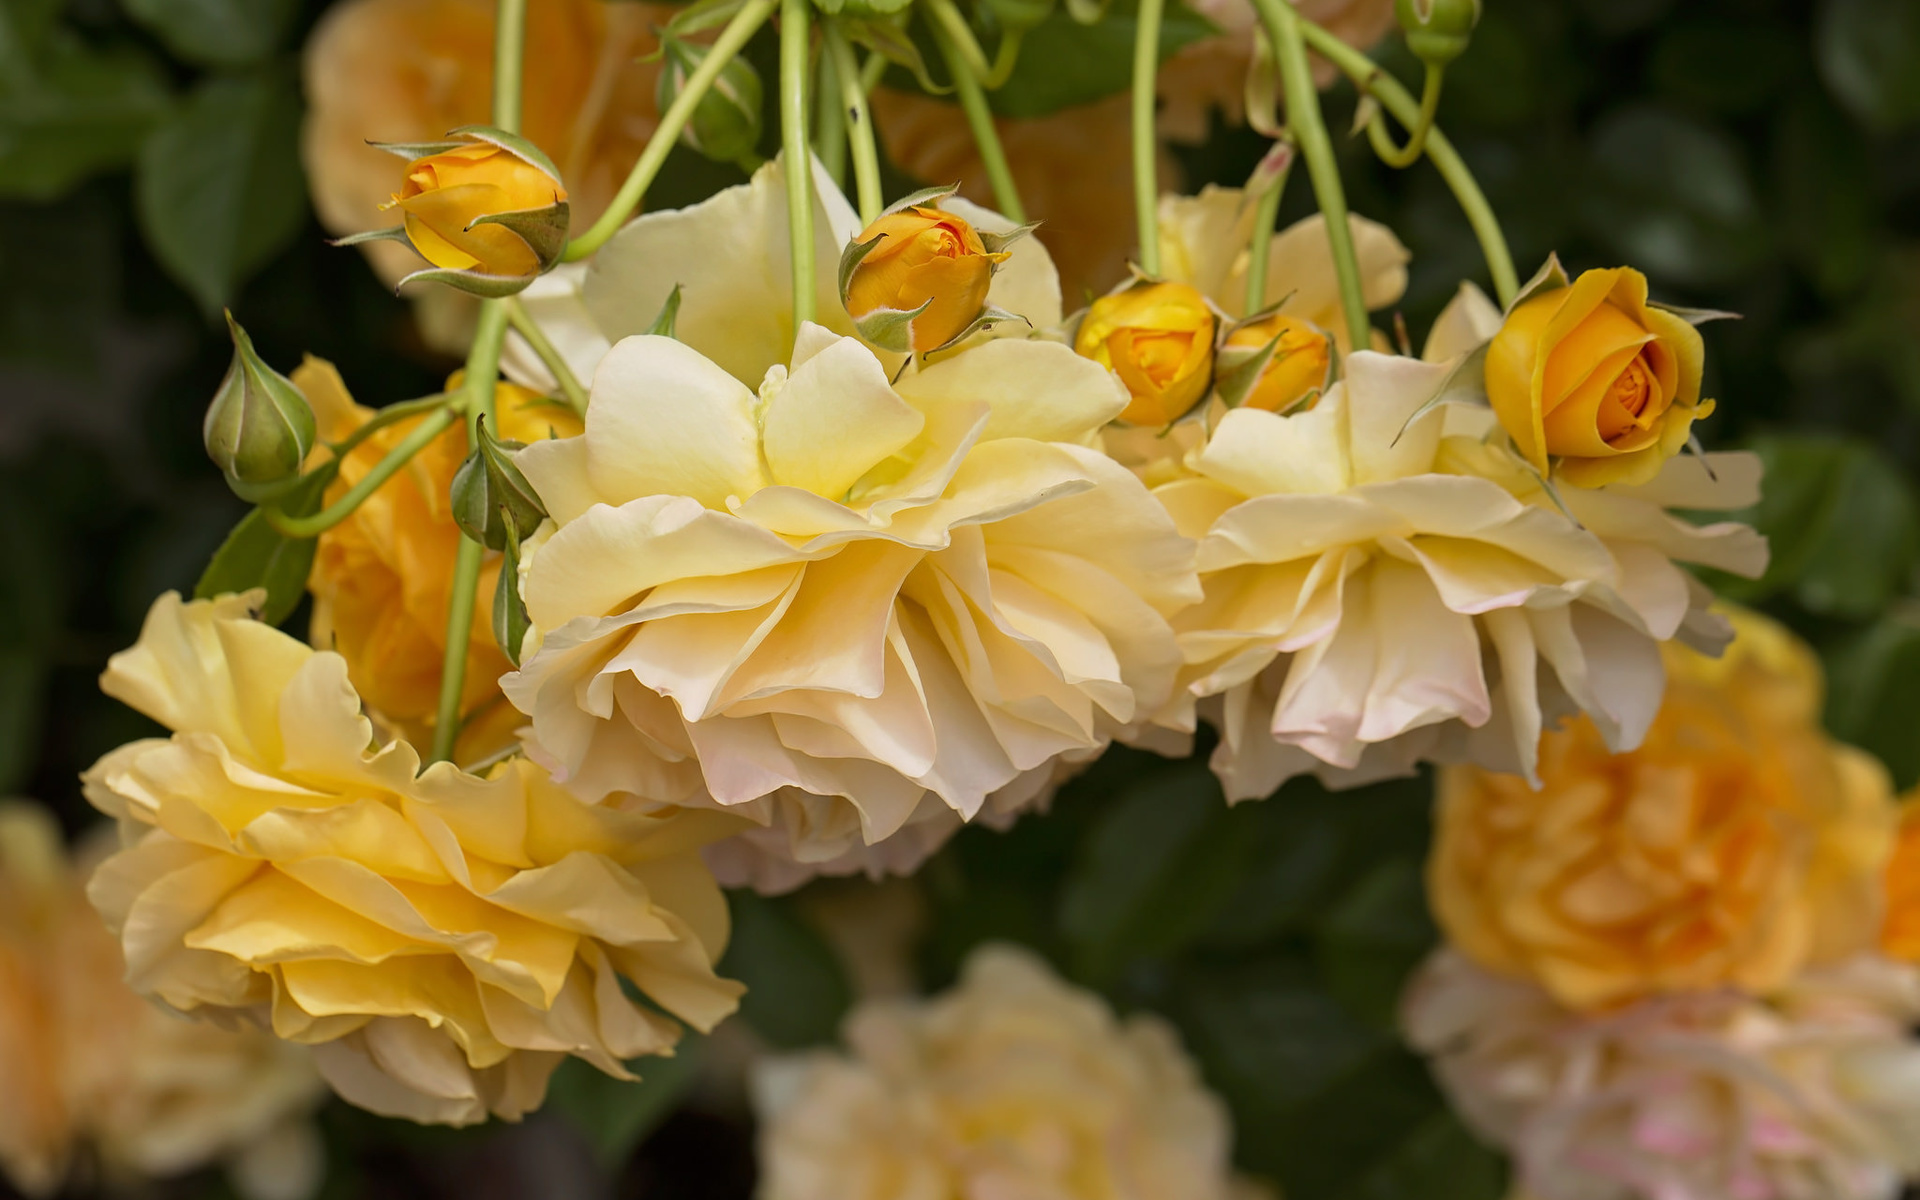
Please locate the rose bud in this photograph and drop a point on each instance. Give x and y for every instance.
(259, 427)
(1159, 338)
(1301, 359)
(725, 126)
(917, 278)
(1593, 376)
(1437, 31)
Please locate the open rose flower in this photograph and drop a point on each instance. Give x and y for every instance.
(442, 940)
(1012, 1084)
(839, 603)
(1813, 1094)
(1737, 845)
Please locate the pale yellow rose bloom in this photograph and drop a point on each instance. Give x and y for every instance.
(1811, 1093)
(441, 939)
(840, 606)
(1012, 1084)
(89, 1070)
(1383, 588)
(1735, 847)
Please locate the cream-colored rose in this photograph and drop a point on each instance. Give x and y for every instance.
(1382, 587)
(442, 940)
(841, 603)
(1013, 1084)
(89, 1069)
(1813, 1094)
(1737, 845)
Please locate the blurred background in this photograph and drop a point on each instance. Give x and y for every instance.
(1754, 156)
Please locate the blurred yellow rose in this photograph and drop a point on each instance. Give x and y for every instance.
(442, 195)
(1591, 375)
(1900, 933)
(443, 940)
(1159, 338)
(1302, 358)
(1736, 846)
(925, 256)
(381, 576)
(88, 1068)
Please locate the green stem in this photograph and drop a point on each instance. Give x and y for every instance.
(509, 53)
(993, 156)
(795, 36)
(744, 25)
(950, 23)
(1146, 183)
(871, 72)
(1486, 226)
(1309, 128)
(368, 484)
(1265, 215)
(384, 417)
(524, 325)
(477, 388)
(1402, 157)
(830, 119)
(860, 135)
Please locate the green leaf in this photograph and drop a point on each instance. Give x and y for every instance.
(69, 110)
(219, 188)
(1868, 53)
(616, 1115)
(1374, 937)
(220, 33)
(1873, 692)
(256, 555)
(1438, 1160)
(796, 989)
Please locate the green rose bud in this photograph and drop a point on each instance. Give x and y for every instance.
(259, 427)
(726, 123)
(492, 501)
(1437, 30)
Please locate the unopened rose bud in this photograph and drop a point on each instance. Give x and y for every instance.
(726, 122)
(492, 501)
(1301, 359)
(1437, 30)
(1159, 338)
(259, 427)
(918, 256)
(489, 212)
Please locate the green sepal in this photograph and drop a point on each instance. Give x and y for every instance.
(1465, 384)
(256, 555)
(1018, 16)
(1088, 12)
(396, 234)
(989, 317)
(1696, 316)
(997, 243)
(726, 122)
(888, 39)
(930, 195)
(695, 18)
(1551, 275)
(890, 328)
(413, 151)
(513, 144)
(850, 259)
(474, 283)
(510, 620)
(490, 498)
(669, 315)
(1236, 374)
(544, 230)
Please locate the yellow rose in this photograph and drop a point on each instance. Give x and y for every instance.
(924, 254)
(443, 195)
(1900, 934)
(1591, 375)
(443, 940)
(1300, 362)
(1738, 845)
(380, 578)
(1159, 338)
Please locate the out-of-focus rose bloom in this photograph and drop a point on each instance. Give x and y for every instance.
(410, 70)
(1383, 588)
(1900, 931)
(381, 577)
(87, 1066)
(924, 256)
(1070, 164)
(1813, 1094)
(1737, 845)
(1591, 376)
(1013, 1084)
(1158, 338)
(442, 940)
(840, 603)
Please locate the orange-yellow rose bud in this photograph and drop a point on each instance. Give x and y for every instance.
(1159, 338)
(1591, 375)
(445, 193)
(924, 254)
(1300, 362)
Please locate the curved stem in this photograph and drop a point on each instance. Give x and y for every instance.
(953, 26)
(1385, 88)
(744, 25)
(829, 118)
(860, 136)
(384, 417)
(794, 39)
(1309, 129)
(1265, 215)
(993, 156)
(1146, 183)
(1401, 157)
(524, 325)
(367, 485)
(509, 53)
